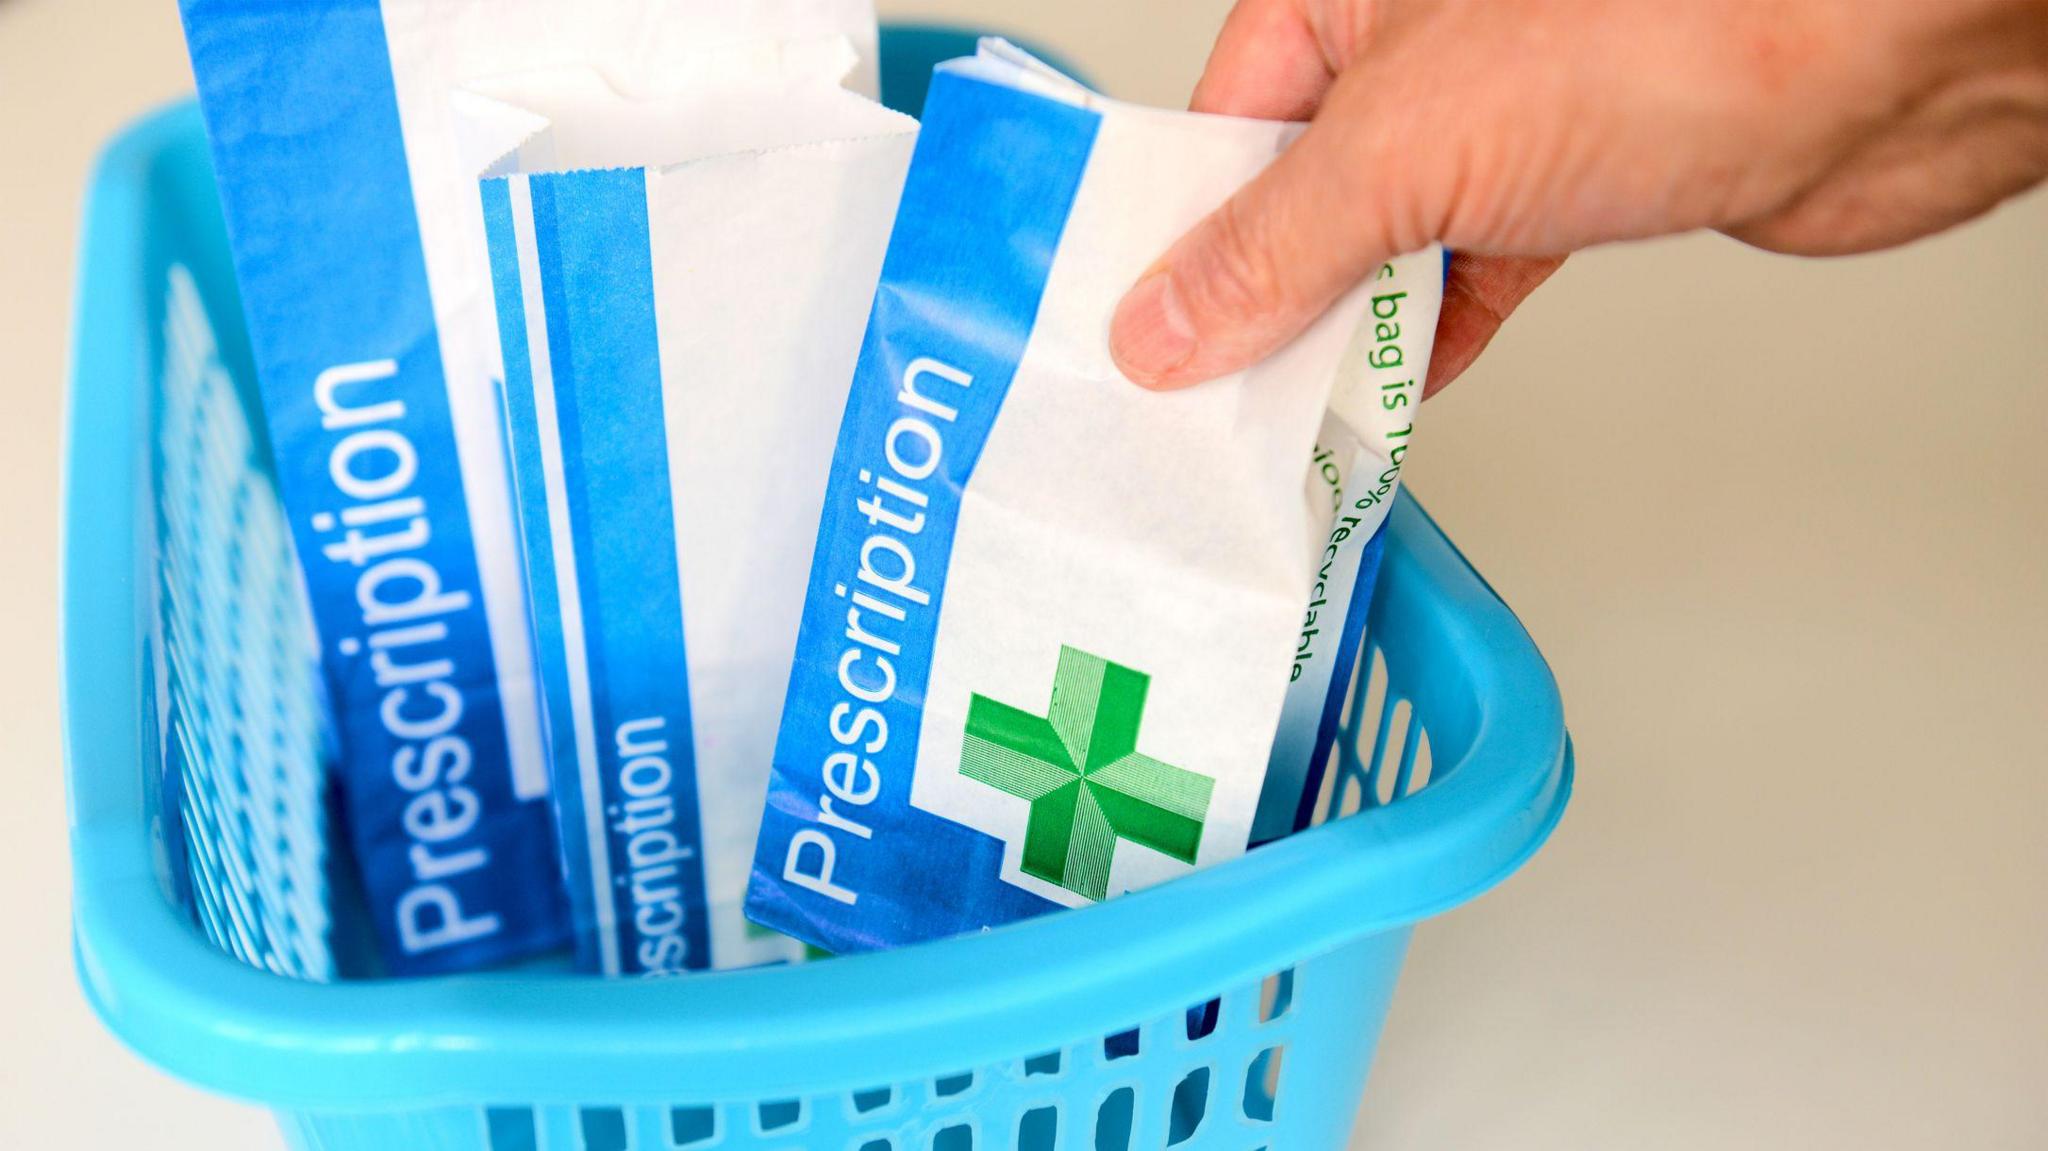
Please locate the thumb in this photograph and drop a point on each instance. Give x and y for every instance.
(1266, 264)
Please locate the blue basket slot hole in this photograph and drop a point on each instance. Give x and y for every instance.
(1350, 796)
(1039, 1130)
(1046, 1064)
(1113, 1120)
(1262, 1084)
(1190, 1105)
(1390, 736)
(946, 1086)
(510, 1129)
(1338, 768)
(959, 1137)
(1202, 1019)
(1367, 714)
(1415, 762)
(1122, 1045)
(604, 1129)
(692, 1126)
(871, 1100)
(878, 1145)
(1395, 757)
(779, 1114)
(1276, 995)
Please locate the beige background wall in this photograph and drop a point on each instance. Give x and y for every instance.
(1778, 525)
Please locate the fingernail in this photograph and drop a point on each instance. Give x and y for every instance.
(1150, 336)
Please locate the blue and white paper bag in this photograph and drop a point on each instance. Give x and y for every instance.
(1044, 652)
(1353, 479)
(1354, 489)
(359, 246)
(681, 287)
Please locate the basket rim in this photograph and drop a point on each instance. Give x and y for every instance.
(856, 1021)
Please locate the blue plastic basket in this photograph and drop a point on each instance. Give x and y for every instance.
(1236, 1008)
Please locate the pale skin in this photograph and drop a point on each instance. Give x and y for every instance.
(1518, 131)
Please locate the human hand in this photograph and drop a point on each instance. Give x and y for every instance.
(1517, 131)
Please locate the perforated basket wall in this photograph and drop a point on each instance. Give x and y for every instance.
(238, 689)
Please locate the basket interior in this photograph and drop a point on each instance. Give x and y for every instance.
(243, 736)
(254, 855)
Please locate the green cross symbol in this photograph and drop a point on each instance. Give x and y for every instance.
(1080, 770)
